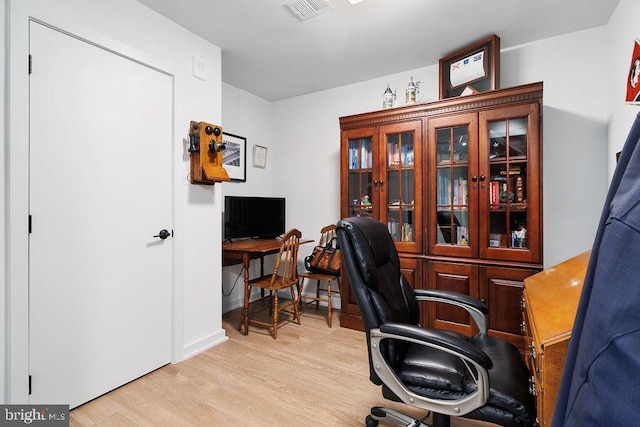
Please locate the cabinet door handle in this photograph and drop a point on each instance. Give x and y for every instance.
(381, 186)
(532, 386)
(474, 178)
(482, 177)
(532, 351)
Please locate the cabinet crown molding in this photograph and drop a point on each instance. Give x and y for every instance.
(523, 93)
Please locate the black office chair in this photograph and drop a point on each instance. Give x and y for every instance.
(443, 372)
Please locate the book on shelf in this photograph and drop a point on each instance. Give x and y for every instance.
(363, 157)
(400, 232)
(393, 229)
(407, 155)
(353, 158)
(460, 191)
(456, 192)
(408, 160)
(519, 189)
(512, 171)
(394, 155)
(407, 233)
(444, 190)
(509, 190)
(494, 192)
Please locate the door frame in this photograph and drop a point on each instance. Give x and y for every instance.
(17, 244)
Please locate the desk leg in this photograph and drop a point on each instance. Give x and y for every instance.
(262, 274)
(244, 318)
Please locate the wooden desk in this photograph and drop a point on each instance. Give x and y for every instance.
(242, 252)
(550, 302)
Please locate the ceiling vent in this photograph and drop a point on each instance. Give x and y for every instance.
(305, 9)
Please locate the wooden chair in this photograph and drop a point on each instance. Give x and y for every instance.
(326, 234)
(284, 275)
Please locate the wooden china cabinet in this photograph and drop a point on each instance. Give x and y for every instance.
(459, 184)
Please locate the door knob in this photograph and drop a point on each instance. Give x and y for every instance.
(163, 234)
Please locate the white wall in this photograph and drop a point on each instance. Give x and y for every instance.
(247, 115)
(127, 27)
(623, 29)
(3, 280)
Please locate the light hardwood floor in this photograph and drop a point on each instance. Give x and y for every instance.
(311, 375)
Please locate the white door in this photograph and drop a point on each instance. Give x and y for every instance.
(100, 190)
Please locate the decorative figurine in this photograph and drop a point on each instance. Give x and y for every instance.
(366, 201)
(412, 92)
(519, 237)
(388, 99)
(519, 189)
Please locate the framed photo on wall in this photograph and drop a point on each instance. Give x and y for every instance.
(259, 156)
(234, 157)
(472, 69)
(633, 79)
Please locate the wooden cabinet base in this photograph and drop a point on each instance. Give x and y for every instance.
(351, 321)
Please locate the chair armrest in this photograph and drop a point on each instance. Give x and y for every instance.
(476, 308)
(440, 340)
(476, 361)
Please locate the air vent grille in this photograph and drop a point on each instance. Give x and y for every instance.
(305, 9)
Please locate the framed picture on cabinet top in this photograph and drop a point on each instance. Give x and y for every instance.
(234, 157)
(472, 69)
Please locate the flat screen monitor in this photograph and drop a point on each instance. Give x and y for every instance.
(253, 217)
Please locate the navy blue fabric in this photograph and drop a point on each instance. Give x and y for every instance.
(600, 382)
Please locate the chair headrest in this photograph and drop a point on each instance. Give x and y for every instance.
(370, 244)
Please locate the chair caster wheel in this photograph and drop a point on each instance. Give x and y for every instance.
(370, 422)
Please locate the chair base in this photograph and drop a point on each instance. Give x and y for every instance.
(390, 417)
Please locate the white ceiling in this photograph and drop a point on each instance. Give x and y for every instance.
(269, 52)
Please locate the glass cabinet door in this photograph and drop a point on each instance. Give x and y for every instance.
(507, 178)
(359, 180)
(508, 154)
(454, 183)
(399, 186)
